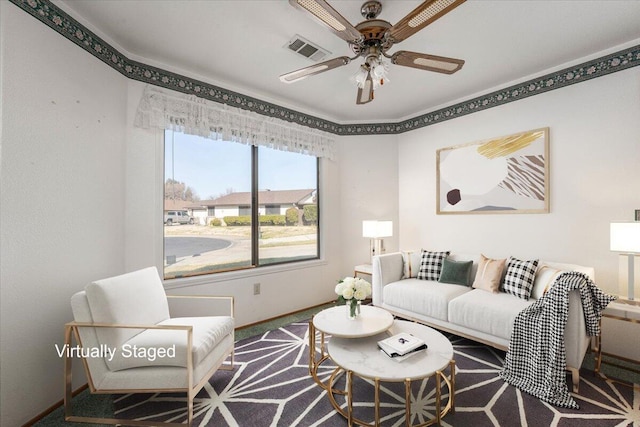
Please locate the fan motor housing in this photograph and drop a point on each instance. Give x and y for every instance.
(374, 32)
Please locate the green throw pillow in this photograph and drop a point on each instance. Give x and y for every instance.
(455, 272)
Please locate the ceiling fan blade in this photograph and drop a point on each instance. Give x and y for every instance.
(422, 61)
(321, 67)
(327, 15)
(365, 93)
(420, 17)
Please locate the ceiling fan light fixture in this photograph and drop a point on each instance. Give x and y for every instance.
(379, 72)
(361, 76)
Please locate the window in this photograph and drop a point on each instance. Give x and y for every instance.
(251, 206)
(272, 209)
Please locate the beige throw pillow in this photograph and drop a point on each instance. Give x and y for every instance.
(411, 261)
(545, 277)
(489, 274)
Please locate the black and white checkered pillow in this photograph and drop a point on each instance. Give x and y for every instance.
(431, 265)
(519, 278)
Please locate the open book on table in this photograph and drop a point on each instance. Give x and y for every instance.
(401, 345)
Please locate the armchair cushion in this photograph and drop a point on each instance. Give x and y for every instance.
(136, 298)
(168, 347)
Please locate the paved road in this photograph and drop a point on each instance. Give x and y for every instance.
(189, 246)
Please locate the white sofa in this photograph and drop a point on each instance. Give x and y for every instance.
(477, 314)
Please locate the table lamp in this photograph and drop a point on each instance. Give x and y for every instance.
(625, 238)
(376, 230)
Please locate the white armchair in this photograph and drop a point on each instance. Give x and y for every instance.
(130, 344)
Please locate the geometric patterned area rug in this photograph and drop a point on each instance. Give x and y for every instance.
(271, 386)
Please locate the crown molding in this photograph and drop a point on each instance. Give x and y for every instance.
(58, 20)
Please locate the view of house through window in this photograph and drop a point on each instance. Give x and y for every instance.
(229, 206)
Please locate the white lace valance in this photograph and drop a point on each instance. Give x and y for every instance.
(163, 109)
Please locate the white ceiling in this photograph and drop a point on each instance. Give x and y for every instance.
(239, 45)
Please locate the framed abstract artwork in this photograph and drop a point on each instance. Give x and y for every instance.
(509, 174)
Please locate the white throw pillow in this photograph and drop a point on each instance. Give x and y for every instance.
(545, 276)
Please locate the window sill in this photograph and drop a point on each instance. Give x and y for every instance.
(240, 274)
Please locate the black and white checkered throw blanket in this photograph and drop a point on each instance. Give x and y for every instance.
(537, 359)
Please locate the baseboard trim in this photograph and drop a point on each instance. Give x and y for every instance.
(250, 325)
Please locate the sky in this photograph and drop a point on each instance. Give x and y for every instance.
(211, 167)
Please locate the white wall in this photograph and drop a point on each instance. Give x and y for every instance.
(62, 199)
(594, 170)
(368, 191)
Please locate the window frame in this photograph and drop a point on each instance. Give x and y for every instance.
(255, 269)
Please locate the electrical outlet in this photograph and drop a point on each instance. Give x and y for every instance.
(256, 288)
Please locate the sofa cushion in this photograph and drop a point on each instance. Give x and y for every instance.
(519, 277)
(136, 298)
(486, 312)
(426, 297)
(431, 264)
(411, 264)
(455, 272)
(545, 276)
(489, 274)
(145, 348)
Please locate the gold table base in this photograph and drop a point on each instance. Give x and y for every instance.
(315, 362)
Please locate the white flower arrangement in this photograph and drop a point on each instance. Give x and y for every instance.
(353, 288)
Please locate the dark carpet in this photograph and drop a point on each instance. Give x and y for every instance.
(271, 386)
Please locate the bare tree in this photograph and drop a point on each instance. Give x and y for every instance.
(176, 190)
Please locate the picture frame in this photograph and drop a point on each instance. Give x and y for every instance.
(502, 175)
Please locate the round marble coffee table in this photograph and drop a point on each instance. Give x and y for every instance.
(361, 357)
(335, 322)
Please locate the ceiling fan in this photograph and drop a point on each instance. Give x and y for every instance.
(372, 38)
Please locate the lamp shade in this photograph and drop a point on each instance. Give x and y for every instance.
(377, 229)
(625, 237)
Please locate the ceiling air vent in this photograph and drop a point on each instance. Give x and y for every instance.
(304, 47)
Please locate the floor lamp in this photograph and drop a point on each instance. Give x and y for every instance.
(376, 230)
(625, 238)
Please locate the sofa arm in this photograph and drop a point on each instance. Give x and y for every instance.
(576, 340)
(386, 268)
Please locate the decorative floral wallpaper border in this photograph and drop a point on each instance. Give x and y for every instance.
(51, 15)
